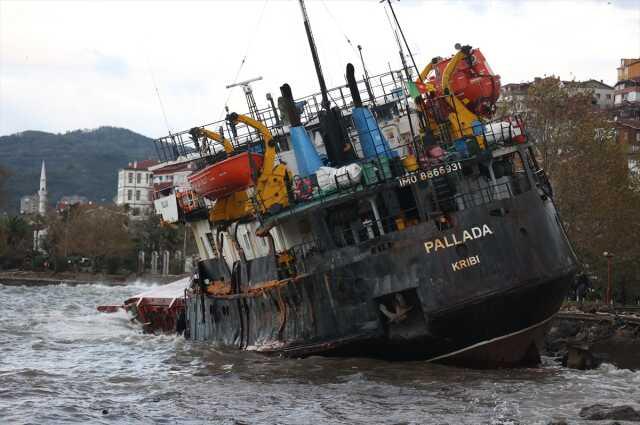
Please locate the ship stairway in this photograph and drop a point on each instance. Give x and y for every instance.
(443, 194)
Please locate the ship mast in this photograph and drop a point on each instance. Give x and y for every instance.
(334, 135)
(395, 18)
(316, 61)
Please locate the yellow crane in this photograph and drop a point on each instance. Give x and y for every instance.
(231, 207)
(271, 185)
(198, 132)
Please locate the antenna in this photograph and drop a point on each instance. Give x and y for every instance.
(408, 74)
(366, 76)
(155, 86)
(403, 37)
(248, 92)
(245, 82)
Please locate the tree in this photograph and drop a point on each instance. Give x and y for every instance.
(4, 176)
(151, 235)
(16, 241)
(97, 232)
(102, 233)
(594, 191)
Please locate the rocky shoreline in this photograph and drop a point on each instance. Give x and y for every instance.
(29, 278)
(584, 338)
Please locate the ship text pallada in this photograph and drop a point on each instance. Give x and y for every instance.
(452, 240)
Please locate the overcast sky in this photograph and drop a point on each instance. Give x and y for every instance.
(84, 64)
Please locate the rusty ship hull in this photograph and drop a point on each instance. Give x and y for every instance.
(396, 298)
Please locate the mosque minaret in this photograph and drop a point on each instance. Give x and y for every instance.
(42, 193)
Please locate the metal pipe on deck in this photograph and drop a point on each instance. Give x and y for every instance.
(376, 215)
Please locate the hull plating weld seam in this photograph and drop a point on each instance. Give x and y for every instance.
(480, 344)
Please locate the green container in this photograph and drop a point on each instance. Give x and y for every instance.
(376, 170)
(369, 173)
(385, 167)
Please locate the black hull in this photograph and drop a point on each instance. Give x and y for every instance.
(393, 299)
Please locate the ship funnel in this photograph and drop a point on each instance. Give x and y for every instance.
(353, 86)
(307, 159)
(289, 105)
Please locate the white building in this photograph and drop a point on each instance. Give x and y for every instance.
(135, 188)
(627, 92)
(513, 96)
(29, 204)
(172, 175)
(603, 94)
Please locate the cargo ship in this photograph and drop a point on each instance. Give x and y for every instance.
(394, 216)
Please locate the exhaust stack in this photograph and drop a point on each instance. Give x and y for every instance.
(307, 157)
(372, 141)
(353, 86)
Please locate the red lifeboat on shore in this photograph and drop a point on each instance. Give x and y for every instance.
(228, 176)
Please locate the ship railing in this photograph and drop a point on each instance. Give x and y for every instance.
(190, 203)
(386, 94)
(370, 230)
(542, 182)
(392, 166)
(495, 132)
(388, 169)
(381, 92)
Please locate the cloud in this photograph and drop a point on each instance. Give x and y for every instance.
(67, 65)
(113, 66)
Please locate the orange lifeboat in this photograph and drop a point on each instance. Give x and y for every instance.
(473, 82)
(226, 177)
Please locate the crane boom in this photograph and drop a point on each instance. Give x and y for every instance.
(269, 145)
(272, 183)
(203, 132)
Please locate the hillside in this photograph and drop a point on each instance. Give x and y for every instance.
(82, 162)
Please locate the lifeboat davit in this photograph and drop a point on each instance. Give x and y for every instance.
(226, 177)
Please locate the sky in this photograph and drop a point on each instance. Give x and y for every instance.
(66, 65)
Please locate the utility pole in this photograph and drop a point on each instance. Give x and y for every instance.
(608, 256)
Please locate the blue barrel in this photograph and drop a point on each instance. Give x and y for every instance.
(372, 141)
(306, 155)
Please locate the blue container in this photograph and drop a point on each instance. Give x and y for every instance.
(461, 147)
(306, 155)
(478, 128)
(372, 141)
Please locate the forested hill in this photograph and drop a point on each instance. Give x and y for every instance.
(80, 162)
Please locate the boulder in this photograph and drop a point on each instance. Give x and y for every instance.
(599, 412)
(580, 357)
